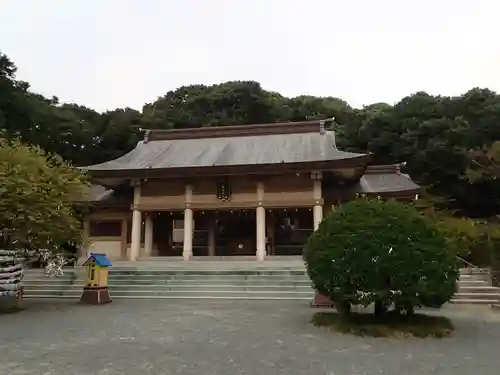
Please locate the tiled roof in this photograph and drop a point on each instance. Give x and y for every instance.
(386, 179)
(106, 197)
(231, 150)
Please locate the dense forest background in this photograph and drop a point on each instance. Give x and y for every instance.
(448, 143)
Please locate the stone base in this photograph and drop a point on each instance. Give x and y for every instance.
(320, 300)
(496, 306)
(12, 302)
(495, 278)
(95, 295)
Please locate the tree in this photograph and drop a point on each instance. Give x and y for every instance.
(381, 252)
(36, 192)
(434, 135)
(229, 103)
(485, 163)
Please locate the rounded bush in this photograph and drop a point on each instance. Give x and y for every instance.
(384, 252)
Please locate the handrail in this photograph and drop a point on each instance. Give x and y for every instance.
(469, 264)
(472, 266)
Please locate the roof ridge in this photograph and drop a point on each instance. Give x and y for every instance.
(384, 169)
(298, 127)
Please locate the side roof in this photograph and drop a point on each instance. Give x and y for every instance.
(232, 148)
(386, 180)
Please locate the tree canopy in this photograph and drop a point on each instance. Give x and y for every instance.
(36, 193)
(382, 252)
(442, 139)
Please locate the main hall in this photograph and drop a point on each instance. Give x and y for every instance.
(219, 192)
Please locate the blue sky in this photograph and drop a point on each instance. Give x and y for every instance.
(116, 53)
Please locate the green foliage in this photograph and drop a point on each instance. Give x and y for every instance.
(391, 325)
(484, 163)
(36, 190)
(383, 252)
(446, 141)
(470, 239)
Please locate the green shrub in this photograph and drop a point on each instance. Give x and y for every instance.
(382, 252)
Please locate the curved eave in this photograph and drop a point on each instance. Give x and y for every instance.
(357, 160)
(398, 194)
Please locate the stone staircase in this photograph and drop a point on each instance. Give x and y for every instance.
(220, 280)
(204, 281)
(474, 287)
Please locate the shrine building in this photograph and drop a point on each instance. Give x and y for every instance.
(253, 190)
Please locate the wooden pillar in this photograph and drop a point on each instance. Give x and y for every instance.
(135, 246)
(260, 217)
(211, 237)
(124, 238)
(270, 224)
(318, 199)
(187, 250)
(84, 252)
(148, 235)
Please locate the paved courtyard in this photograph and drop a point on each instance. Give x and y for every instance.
(228, 338)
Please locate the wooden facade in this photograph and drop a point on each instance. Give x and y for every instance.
(246, 190)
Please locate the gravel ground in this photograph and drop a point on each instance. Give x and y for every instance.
(229, 338)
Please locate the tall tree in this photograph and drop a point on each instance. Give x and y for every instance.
(36, 193)
(438, 137)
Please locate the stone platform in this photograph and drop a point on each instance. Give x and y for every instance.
(239, 279)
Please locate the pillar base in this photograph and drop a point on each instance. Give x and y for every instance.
(95, 295)
(495, 277)
(187, 257)
(260, 257)
(320, 300)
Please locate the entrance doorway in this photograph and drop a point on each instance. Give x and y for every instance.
(235, 233)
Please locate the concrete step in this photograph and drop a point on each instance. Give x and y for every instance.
(467, 278)
(473, 301)
(192, 274)
(180, 293)
(46, 291)
(479, 289)
(239, 281)
(206, 287)
(208, 277)
(478, 296)
(473, 284)
(195, 292)
(180, 284)
(31, 277)
(194, 297)
(190, 280)
(51, 282)
(474, 271)
(263, 283)
(153, 289)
